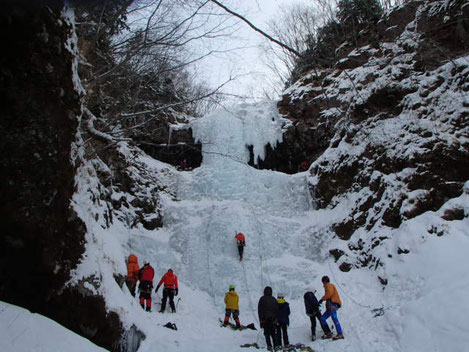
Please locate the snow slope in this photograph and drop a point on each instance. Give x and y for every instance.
(22, 331)
(425, 304)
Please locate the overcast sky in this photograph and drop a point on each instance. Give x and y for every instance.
(246, 63)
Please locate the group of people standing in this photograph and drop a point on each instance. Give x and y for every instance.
(145, 277)
(274, 313)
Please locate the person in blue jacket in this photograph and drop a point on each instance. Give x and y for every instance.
(313, 311)
(283, 320)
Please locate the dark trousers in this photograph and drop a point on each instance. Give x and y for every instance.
(281, 329)
(145, 288)
(240, 251)
(168, 293)
(270, 335)
(235, 313)
(324, 327)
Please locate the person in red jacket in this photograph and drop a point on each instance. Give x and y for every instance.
(145, 275)
(132, 273)
(170, 290)
(241, 242)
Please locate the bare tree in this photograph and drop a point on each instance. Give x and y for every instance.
(139, 73)
(257, 29)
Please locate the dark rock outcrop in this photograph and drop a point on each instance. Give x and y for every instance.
(388, 123)
(42, 237)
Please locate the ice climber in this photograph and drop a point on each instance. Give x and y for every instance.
(304, 165)
(241, 242)
(170, 290)
(283, 320)
(232, 306)
(145, 275)
(333, 303)
(313, 311)
(267, 310)
(132, 273)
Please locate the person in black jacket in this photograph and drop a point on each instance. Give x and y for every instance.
(312, 310)
(267, 310)
(283, 320)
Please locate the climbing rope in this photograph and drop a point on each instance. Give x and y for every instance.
(251, 303)
(207, 245)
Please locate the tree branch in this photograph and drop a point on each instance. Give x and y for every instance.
(293, 51)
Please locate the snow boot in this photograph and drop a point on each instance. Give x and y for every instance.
(313, 338)
(148, 309)
(327, 336)
(338, 337)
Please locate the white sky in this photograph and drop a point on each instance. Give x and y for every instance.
(246, 62)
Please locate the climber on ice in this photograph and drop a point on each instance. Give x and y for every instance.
(283, 320)
(145, 275)
(313, 312)
(132, 273)
(241, 242)
(170, 290)
(232, 307)
(333, 303)
(267, 309)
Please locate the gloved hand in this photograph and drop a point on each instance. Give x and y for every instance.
(157, 288)
(176, 293)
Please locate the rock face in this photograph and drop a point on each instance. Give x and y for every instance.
(42, 238)
(388, 124)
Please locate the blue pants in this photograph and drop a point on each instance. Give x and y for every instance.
(332, 312)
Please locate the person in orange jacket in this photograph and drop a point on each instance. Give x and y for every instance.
(170, 290)
(145, 275)
(132, 273)
(241, 242)
(333, 303)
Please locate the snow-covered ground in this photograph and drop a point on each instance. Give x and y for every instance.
(22, 331)
(425, 304)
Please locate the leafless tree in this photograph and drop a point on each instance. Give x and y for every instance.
(145, 65)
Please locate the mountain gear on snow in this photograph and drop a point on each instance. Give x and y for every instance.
(234, 327)
(283, 321)
(313, 311)
(232, 306)
(333, 303)
(171, 326)
(267, 309)
(170, 290)
(145, 275)
(241, 242)
(132, 273)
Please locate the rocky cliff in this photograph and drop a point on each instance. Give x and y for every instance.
(387, 126)
(42, 238)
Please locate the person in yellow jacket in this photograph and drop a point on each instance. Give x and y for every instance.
(232, 306)
(333, 303)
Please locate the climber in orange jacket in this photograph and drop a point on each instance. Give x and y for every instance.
(145, 275)
(241, 242)
(170, 290)
(333, 303)
(132, 273)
